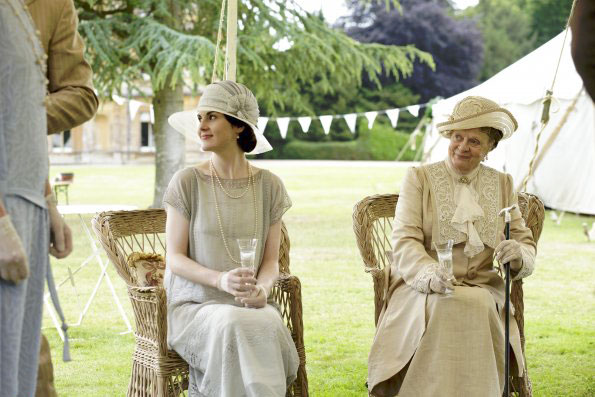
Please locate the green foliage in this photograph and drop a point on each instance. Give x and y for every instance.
(382, 142)
(131, 41)
(506, 31)
(548, 18)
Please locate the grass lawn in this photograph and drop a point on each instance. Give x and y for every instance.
(337, 294)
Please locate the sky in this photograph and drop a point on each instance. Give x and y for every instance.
(333, 9)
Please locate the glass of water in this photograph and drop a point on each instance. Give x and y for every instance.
(248, 252)
(445, 259)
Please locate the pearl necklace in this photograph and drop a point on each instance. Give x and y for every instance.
(214, 171)
(250, 183)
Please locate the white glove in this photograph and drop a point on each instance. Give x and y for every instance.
(239, 282)
(13, 259)
(509, 251)
(60, 234)
(432, 279)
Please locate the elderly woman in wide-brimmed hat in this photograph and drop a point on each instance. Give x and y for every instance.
(219, 320)
(429, 343)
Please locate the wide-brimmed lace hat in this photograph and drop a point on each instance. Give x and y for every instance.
(227, 97)
(476, 112)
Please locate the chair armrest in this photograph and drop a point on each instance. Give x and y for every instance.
(287, 293)
(150, 315)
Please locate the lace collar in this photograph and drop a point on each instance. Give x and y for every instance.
(466, 206)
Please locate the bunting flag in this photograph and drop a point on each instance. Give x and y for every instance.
(326, 123)
(393, 115)
(262, 123)
(371, 116)
(305, 123)
(283, 123)
(133, 107)
(414, 110)
(350, 119)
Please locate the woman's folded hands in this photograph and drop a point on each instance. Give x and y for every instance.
(240, 283)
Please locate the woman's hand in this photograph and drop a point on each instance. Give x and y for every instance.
(257, 300)
(509, 251)
(239, 282)
(439, 282)
(13, 260)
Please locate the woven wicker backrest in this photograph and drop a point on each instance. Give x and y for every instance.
(124, 232)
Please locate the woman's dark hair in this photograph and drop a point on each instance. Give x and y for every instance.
(494, 134)
(246, 139)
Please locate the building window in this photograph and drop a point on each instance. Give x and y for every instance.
(147, 143)
(62, 142)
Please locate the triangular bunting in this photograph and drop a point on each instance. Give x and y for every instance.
(283, 123)
(133, 107)
(371, 116)
(393, 115)
(350, 119)
(413, 109)
(326, 123)
(305, 123)
(262, 123)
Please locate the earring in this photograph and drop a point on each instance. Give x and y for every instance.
(485, 157)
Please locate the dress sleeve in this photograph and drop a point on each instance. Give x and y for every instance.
(410, 258)
(280, 201)
(178, 192)
(72, 100)
(521, 233)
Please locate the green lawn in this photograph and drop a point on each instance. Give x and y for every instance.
(337, 294)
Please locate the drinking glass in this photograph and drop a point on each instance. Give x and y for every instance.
(247, 252)
(445, 259)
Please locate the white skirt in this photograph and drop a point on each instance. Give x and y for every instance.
(235, 351)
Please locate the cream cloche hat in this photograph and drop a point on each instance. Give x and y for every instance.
(227, 97)
(476, 112)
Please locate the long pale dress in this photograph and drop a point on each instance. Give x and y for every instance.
(23, 172)
(429, 344)
(232, 351)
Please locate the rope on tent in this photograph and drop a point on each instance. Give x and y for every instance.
(545, 115)
(554, 134)
(411, 142)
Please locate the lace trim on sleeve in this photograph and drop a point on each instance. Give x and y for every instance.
(528, 263)
(422, 279)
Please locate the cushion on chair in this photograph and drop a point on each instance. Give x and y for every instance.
(147, 270)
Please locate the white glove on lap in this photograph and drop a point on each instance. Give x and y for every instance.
(432, 279)
(13, 259)
(60, 234)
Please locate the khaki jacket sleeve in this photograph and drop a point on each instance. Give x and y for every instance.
(71, 101)
(521, 233)
(410, 258)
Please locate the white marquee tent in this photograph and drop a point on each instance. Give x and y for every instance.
(564, 175)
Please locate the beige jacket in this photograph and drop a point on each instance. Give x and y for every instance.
(71, 99)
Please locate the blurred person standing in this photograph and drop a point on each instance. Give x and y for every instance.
(24, 219)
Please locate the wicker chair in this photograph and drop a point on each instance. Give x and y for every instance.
(156, 370)
(372, 223)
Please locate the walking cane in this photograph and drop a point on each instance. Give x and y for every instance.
(506, 213)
